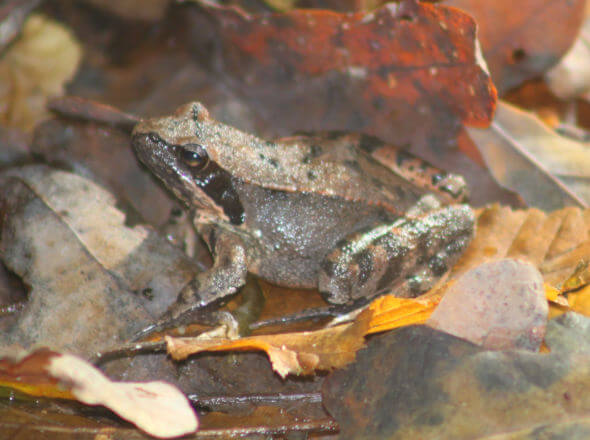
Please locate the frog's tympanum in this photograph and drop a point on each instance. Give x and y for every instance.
(330, 212)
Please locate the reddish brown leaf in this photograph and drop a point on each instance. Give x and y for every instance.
(391, 72)
(522, 40)
(29, 375)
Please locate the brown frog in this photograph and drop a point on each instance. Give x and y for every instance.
(342, 213)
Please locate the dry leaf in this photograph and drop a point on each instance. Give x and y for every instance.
(34, 68)
(325, 349)
(555, 242)
(158, 408)
(389, 312)
(547, 170)
(289, 353)
(579, 301)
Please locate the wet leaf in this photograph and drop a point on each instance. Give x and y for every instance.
(34, 68)
(157, 408)
(420, 383)
(549, 171)
(393, 72)
(521, 43)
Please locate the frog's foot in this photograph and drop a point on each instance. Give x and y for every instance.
(195, 302)
(208, 288)
(406, 257)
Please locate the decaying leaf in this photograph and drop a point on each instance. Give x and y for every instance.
(549, 171)
(34, 68)
(391, 72)
(522, 42)
(87, 271)
(158, 408)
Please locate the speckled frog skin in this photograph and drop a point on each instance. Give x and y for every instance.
(342, 213)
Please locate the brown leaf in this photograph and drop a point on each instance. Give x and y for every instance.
(391, 72)
(289, 353)
(311, 351)
(522, 42)
(547, 170)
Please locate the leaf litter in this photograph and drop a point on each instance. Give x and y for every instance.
(553, 243)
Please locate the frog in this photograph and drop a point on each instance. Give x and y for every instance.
(344, 213)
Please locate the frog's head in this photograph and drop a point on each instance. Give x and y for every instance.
(177, 150)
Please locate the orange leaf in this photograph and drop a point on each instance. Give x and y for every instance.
(389, 312)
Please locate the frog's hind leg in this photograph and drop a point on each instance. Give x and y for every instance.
(406, 257)
(450, 187)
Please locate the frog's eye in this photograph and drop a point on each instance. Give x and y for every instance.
(194, 155)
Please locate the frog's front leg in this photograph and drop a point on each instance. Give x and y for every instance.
(406, 257)
(225, 277)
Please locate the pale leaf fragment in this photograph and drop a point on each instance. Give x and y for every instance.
(158, 408)
(570, 78)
